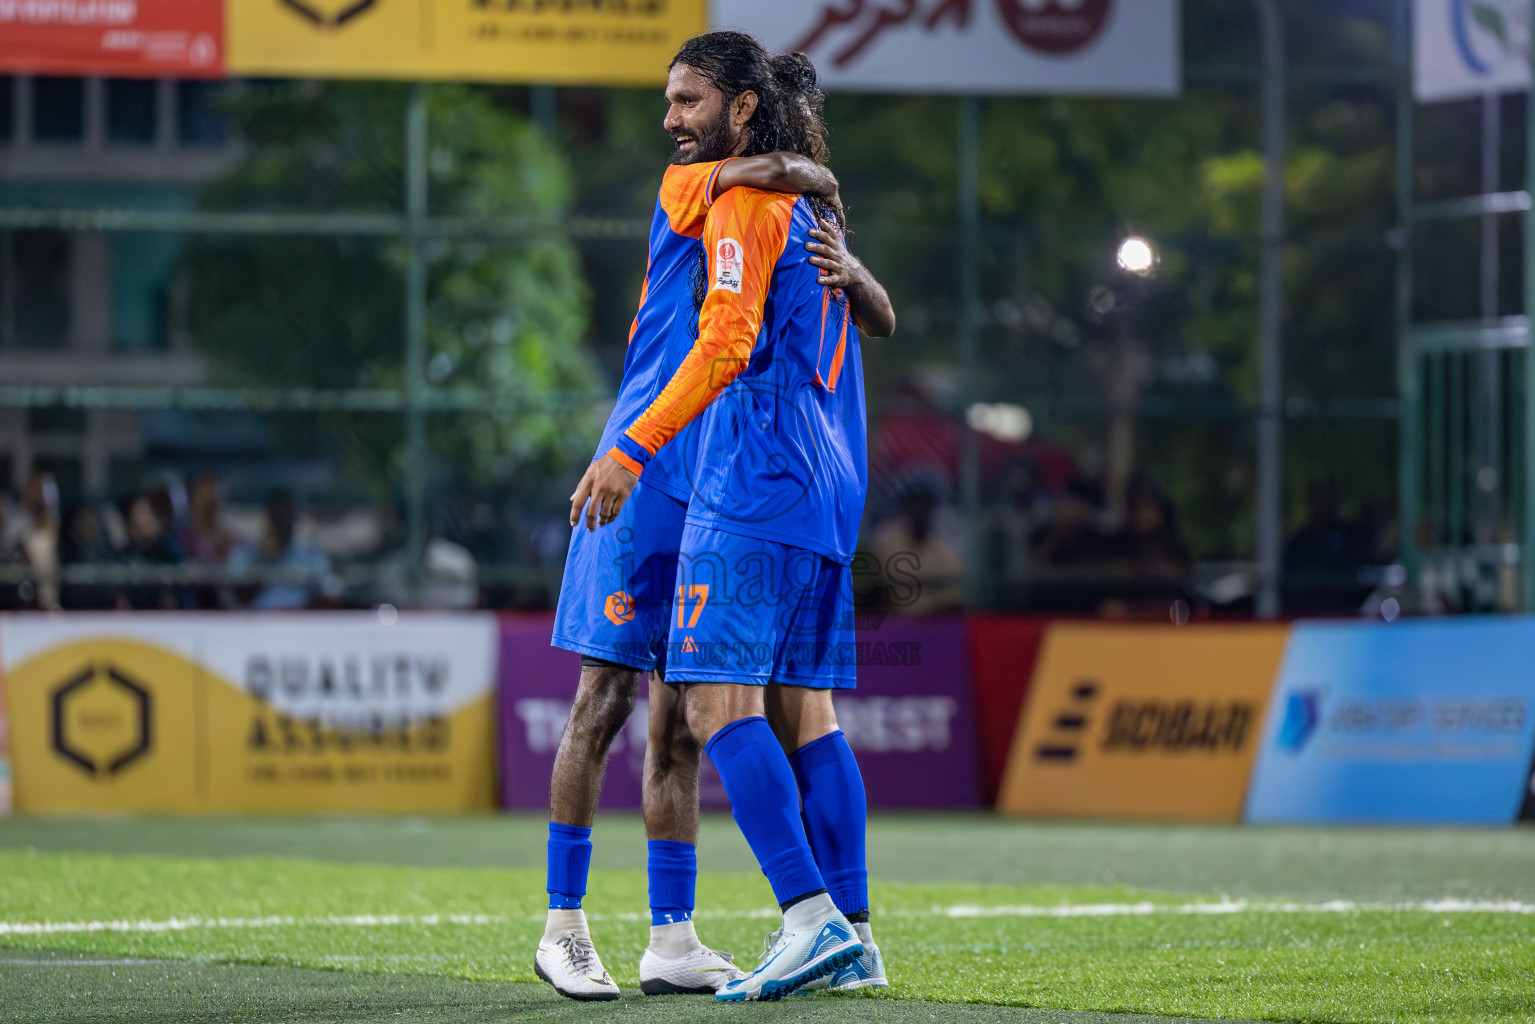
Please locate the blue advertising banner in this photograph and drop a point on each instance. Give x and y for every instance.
(1416, 722)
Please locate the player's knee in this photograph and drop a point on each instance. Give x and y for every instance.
(604, 701)
(679, 753)
(704, 714)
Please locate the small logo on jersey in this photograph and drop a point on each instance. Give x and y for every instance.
(727, 265)
(619, 608)
(689, 647)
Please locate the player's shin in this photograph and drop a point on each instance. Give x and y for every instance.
(814, 939)
(836, 815)
(836, 820)
(569, 859)
(765, 804)
(673, 871)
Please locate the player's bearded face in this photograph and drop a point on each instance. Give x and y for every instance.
(703, 142)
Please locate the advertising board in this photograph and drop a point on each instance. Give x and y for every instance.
(1464, 48)
(1424, 722)
(1003, 652)
(1037, 47)
(910, 722)
(626, 43)
(113, 37)
(238, 713)
(5, 754)
(1142, 722)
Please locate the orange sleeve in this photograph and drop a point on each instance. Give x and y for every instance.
(744, 237)
(687, 192)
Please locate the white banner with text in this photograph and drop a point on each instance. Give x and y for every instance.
(1021, 47)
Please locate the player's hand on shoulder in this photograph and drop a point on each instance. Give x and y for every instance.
(603, 489)
(829, 253)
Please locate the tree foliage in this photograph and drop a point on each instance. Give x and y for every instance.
(504, 317)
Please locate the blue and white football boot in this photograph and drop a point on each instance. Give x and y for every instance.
(868, 971)
(814, 940)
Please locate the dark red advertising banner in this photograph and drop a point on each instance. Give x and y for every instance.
(184, 38)
(1003, 649)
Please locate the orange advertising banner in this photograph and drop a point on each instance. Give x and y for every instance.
(135, 38)
(1142, 722)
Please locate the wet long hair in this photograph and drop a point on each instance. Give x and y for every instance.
(735, 63)
(799, 88)
(787, 118)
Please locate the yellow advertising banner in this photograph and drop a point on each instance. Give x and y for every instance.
(575, 42)
(1142, 722)
(5, 754)
(213, 713)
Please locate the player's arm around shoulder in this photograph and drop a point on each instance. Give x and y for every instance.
(780, 172)
(839, 268)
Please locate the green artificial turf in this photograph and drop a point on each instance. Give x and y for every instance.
(54, 988)
(1241, 860)
(1375, 963)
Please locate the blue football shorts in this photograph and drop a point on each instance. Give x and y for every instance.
(620, 582)
(756, 611)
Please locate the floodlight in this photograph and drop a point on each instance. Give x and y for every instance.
(1136, 255)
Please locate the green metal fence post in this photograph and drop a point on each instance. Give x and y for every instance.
(1271, 318)
(1410, 423)
(1527, 532)
(415, 336)
(969, 216)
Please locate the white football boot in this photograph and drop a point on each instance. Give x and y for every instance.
(814, 940)
(676, 963)
(567, 959)
(868, 971)
(698, 972)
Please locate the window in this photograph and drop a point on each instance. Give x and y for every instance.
(55, 419)
(142, 267)
(131, 111)
(41, 264)
(199, 121)
(7, 108)
(58, 109)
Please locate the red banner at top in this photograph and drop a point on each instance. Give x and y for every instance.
(184, 38)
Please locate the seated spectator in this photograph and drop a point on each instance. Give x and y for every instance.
(1323, 559)
(1150, 543)
(150, 543)
(204, 538)
(280, 549)
(85, 542)
(39, 531)
(923, 568)
(1072, 537)
(1020, 506)
(14, 594)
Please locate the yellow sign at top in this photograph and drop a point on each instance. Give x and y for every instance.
(586, 42)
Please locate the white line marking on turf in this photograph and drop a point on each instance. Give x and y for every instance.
(181, 924)
(1065, 910)
(6, 961)
(1241, 907)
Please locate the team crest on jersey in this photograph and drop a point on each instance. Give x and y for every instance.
(727, 265)
(619, 608)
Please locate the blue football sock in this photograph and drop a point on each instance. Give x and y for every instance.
(673, 870)
(836, 816)
(570, 855)
(765, 803)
